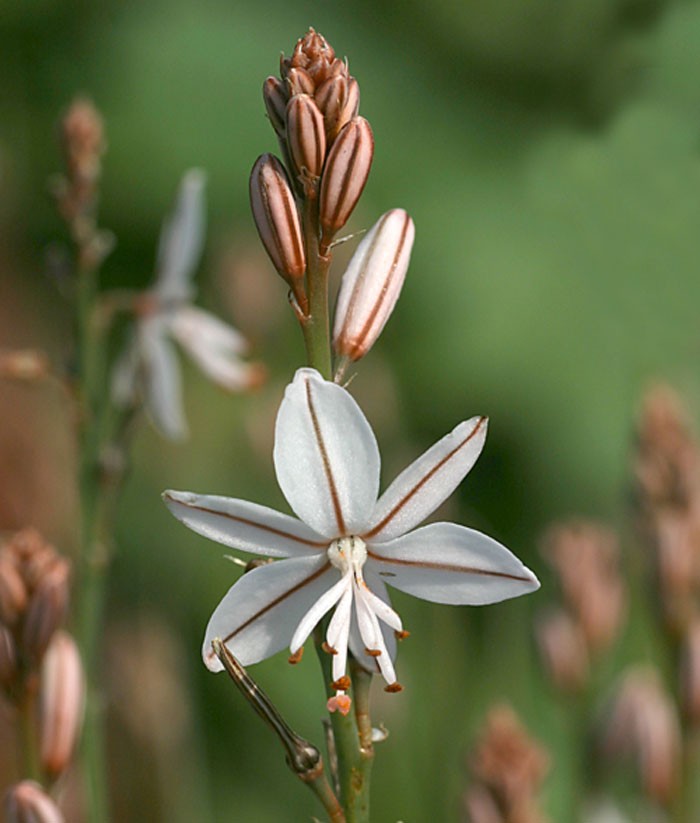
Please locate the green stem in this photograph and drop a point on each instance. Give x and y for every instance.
(316, 325)
(94, 536)
(31, 767)
(354, 760)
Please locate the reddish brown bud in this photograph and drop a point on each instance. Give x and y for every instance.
(277, 220)
(8, 657)
(299, 82)
(563, 650)
(13, 592)
(24, 364)
(46, 609)
(690, 673)
(306, 139)
(275, 99)
(27, 802)
(62, 696)
(344, 177)
(339, 101)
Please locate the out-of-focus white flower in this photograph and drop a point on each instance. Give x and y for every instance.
(148, 367)
(347, 543)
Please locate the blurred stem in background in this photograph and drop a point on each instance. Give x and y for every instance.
(77, 194)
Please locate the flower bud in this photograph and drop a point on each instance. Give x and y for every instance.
(306, 138)
(690, 673)
(8, 657)
(344, 177)
(27, 802)
(62, 697)
(339, 101)
(299, 82)
(563, 650)
(277, 220)
(46, 609)
(275, 99)
(372, 283)
(13, 592)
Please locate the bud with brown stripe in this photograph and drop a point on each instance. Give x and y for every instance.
(306, 138)
(344, 177)
(277, 220)
(372, 283)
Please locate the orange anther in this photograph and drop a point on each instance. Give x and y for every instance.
(342, 683)
(296, 657)
(328, 649)
(402, 635)
(393, 687)
(340, 703)
(373, 652)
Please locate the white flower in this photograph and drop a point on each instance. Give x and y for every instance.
(148, 367)
(346, 543)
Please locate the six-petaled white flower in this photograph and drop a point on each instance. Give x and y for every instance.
(148, 367)
(346, 543)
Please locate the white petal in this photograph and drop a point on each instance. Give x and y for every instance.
(125, 374)
(427, 482)
(181, 239)
(318, 609)
(326, 456)
(214, 346)
(357, 647)
(243, 525)
(259, 613)
(163, 387)
(447, 563)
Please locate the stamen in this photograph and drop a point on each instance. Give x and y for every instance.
(373, 652)
(342, 683)
(339, 702)
(392, 688)
(402, 635)
(328, 649)
(296, 657)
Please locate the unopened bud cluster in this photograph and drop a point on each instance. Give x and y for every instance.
(642, 726)
(38, 660)
(507, 768)
(584, 556)
(301, 202)
(667, 473)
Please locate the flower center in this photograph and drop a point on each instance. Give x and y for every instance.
(347, 553)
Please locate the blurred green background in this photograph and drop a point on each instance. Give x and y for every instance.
(549, 153)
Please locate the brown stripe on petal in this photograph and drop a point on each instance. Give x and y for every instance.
(246, 522)
(335, 499)
(444, 567)
(436, 468)
(276, 602)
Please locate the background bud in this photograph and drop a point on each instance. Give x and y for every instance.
(372, 283)
(345, 175)
(46, 609)
(27, 802)
(62, 695)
